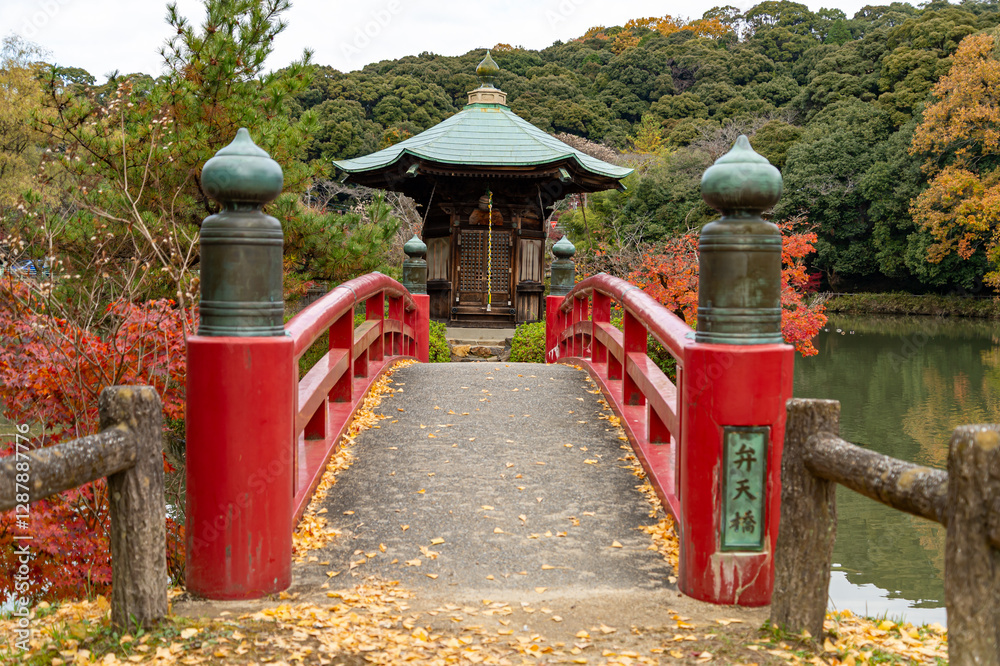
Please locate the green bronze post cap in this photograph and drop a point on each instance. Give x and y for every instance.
(415, 248)
(242, 173)
(487, 71)
(563, 249)
(742, 182)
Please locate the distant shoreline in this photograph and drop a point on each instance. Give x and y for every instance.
(913, 304)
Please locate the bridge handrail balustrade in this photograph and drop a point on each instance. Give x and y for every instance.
(315, 319)
(259, 436)
(965, 499)
(334, 314)
(354, 355)
(647, 401)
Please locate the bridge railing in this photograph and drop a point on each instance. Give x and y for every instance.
(579, 326)
(704, 440)
(710, 442)
(396, 325)
(258, 437)
(128, 452)
(966, 499)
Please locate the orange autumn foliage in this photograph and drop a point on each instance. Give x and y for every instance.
(623, 41)
(670, 275)
(666, 25)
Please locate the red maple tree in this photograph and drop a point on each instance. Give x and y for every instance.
(51, 373)
(670, 275)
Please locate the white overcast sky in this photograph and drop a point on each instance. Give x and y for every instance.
(106, 35)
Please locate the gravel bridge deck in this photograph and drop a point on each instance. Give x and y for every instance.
(517, 469)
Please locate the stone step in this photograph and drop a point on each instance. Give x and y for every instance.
(477, 351)
(479, 344)
(478, 337)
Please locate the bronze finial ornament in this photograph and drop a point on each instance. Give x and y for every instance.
(487, 71)
(241, 247)
(739, 255)
(415, 266)
(563, 268)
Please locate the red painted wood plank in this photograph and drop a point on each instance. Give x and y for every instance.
(611, 337)
(658, 389)
(365, 334)
(316, 385)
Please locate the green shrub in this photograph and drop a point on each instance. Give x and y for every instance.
(317, 351)
(662, 358)
(439, 350)
(528, 345)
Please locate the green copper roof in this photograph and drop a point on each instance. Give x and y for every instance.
(483, 135)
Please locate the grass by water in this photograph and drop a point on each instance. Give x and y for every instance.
(914, 304)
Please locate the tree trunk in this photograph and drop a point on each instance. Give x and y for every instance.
(808, 524)
(972, 565)
(138, 512)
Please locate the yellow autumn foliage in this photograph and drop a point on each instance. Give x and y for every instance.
(961, 206)
(20, 103)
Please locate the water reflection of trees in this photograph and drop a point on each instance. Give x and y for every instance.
(904, 384)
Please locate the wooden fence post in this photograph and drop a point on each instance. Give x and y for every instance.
(972, 565)
(138, 514)
(808, 526)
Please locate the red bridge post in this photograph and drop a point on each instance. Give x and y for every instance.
(240, 390)
(737, 377)
(563, 278)
(421, 326)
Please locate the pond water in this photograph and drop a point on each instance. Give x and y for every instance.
(904, 383)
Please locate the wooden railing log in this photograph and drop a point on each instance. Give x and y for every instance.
(129, 452)
(972, 565)
(138, 510)
(904, 486)
(808, 524)
(966, 499)
(68, 465)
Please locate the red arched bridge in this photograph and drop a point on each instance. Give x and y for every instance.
(709, 441)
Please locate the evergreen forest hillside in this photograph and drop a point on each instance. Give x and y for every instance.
(835, 102)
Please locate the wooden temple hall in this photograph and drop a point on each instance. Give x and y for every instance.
(486, 179)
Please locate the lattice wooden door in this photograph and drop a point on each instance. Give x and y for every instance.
(477, 275)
